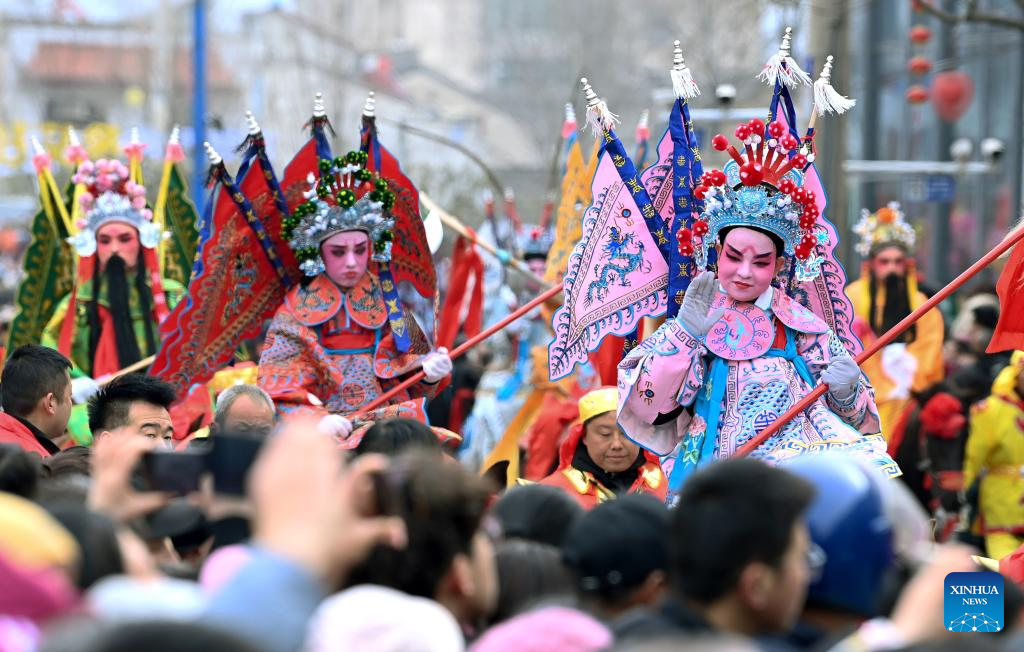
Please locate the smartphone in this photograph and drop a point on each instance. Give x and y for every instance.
(231, 457)
(173, 471)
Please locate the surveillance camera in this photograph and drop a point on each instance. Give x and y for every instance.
(993, 149)
(961, 149)
(725, 93)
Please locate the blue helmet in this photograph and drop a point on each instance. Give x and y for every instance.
(848, 522)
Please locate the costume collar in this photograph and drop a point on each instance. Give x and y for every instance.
(779, 304)
(321, 300)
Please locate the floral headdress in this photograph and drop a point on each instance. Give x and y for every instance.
(886, 226)
(110, 196)
(760, 188)
(346, 197)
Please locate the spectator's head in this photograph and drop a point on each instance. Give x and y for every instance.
(529, 573)
(848, 523)
(618, 553)
(537, 512)
(152, 636)
(97, 538)
(35, 386)
(19, 471)
(136, 402)
(605, 442)
(72, 461)
(244, 410)
(393, 436)
(739, 548)
(449, 556)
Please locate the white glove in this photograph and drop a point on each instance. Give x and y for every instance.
(841, 375)
(82, 389)
(437, 365)
(335, 425)
(693, 314)
(900, 366)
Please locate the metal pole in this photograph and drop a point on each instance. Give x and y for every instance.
(1016, 148)
(199, 101)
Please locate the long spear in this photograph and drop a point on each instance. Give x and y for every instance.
(462, 348)
(894, 332)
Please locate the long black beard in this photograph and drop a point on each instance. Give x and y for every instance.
(119, 303)
(897, 306)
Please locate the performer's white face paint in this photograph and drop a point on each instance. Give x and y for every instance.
(747, 264)
(118, 238)
(346, 256)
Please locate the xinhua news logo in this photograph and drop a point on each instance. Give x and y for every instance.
(974, 602)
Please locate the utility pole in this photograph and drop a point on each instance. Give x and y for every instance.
(830, 35)
(199, 101)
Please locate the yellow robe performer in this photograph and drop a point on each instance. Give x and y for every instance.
(915, 363)
(995, 453)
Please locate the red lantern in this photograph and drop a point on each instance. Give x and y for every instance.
(919, 65)
(917, 94)
(920, 34)
(952, 92)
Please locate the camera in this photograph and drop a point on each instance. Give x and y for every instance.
(992, 149)
(725, 93)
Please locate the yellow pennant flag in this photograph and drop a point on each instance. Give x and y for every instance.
(576, 197)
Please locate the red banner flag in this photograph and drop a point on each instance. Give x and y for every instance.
(1009, 333)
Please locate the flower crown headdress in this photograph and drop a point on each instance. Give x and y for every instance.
(888, 225)
(111, 196)
(346, 197)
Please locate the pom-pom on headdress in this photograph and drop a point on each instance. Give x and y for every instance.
(760, 188)
(346, 197)
(886, 226)
(110, 196)
(535, 242)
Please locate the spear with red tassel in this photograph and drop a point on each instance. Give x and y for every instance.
(894, 332)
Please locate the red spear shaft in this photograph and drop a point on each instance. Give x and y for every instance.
(459, 350)
(885, 339)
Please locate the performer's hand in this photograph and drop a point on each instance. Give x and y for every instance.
(82, 389)
(437, 365)
(335, 425)
(841, 375)
(693, 314)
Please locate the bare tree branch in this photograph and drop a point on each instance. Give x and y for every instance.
(972, 15)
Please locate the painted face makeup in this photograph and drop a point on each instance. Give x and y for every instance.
(118, 238)
(346, 256)
(747, 264)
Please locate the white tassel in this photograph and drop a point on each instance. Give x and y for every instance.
(599, 117)
(370, 107)
(251, 125)
(319, 109)
(682, 79)
(826, 98)
(781, 67)
(212, 154)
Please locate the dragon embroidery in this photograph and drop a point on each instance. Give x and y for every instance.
(616, 249)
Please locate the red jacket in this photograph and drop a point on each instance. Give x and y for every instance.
(13, 431)
(584, 487)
